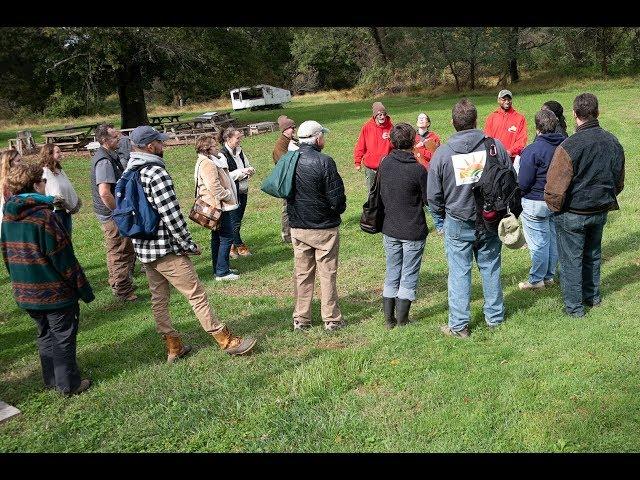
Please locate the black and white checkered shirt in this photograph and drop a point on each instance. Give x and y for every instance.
(173, 234)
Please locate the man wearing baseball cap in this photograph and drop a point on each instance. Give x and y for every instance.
(285, 143)
(166, 256)
(507, 125)
(373, 143)
(314, 216)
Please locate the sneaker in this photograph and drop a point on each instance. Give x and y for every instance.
(530, 286)
(228, 276)
(84, 385)
(333, 326)
(243, 250)
(234, 270)
(464, 333)
(233, 253)
(549, 283)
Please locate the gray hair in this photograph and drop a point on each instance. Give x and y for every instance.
(310, 140)
(546, 121)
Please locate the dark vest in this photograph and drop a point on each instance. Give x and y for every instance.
(101, 154)
(232, 162)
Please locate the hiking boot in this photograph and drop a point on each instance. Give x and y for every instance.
(228, 276)
(175, 348)
(301, 326)
(402, 311)
(243, 250)
(530, 286)
(131, 297)
(464, 333)
(84, 385)
(389, 306)
(231, 344)
(334, 326)
(549, 283)
(233, 253)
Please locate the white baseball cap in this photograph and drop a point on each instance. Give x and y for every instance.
(310, 128)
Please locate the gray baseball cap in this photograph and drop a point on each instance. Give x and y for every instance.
(505, 93)
(144, 134)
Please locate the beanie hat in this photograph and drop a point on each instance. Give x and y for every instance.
(284, 123)
(378, 107)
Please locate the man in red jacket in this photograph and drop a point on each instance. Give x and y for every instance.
(507, 125)
(373, 143)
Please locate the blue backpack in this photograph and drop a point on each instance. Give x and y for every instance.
(134, 215)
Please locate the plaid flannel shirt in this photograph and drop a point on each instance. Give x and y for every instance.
(173, 234)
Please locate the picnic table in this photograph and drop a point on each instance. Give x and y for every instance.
(158, 120)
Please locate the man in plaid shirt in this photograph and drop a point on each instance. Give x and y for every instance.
(166, 256)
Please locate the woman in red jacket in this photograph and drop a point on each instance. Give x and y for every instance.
(426, 141)
(425, 144)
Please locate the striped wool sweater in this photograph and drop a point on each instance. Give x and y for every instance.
(39, 257)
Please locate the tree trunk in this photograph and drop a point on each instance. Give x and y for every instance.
(455, 77)
(133, 109)
(635, 50)
(514, 36)
(472, 74)
(378, 41)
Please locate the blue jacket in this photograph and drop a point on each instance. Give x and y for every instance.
(534, 163)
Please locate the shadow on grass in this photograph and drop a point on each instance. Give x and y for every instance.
(131, 353)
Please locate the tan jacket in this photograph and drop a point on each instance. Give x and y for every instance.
(214, 184)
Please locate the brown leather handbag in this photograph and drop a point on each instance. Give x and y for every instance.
(202, 213)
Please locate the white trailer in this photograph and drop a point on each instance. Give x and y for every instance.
(259, 97)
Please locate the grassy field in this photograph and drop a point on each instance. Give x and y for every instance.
(542, 382)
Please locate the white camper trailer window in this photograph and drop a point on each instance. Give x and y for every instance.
(236, 95)
(252, 94)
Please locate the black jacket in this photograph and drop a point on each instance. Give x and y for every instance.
(403, 191)
(318, 196)
(586, 172)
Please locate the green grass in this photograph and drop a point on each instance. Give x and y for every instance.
(542, 382)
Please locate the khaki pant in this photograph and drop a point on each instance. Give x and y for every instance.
(315, 249)
(285, 231)
(177, 270)
(121, 259)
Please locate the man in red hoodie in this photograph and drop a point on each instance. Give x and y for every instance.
(373, 143)
(507, 125)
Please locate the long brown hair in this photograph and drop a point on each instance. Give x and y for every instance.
(5, 164)
(46, 157)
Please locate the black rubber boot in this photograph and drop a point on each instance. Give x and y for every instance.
(402, 311)
(388, 306)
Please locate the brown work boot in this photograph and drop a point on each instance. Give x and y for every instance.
(231, 344)
(243, 250)
(233, 253)
(175, 348)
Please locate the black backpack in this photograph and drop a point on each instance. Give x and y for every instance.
(496, 192)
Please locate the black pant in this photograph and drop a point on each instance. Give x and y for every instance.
(238, 214)
(57, 331)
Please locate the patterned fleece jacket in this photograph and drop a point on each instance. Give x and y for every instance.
(39, 257)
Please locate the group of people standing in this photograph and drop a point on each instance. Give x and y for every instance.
(567, 183)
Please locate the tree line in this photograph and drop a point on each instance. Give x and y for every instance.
(69, 71)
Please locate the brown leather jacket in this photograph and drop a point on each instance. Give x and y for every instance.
(282, 147)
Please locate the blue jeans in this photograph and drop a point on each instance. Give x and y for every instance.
(65, 219)
(403, 267)
(238, 214)
(540, 232)
(221, 240)
(459, 244)
(580, 248)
